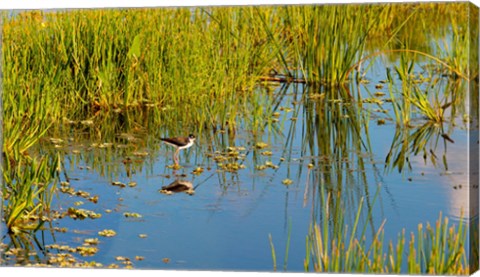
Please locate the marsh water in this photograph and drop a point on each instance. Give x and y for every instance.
(233, 216)
(257, 191)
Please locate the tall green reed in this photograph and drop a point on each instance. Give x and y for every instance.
(27, 193)
(438, 251)
(333, 247)
(326, 40)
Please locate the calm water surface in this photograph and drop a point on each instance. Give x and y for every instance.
(226, 224)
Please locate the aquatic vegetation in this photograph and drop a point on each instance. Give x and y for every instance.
(118, 184)
(107, 233)
(287, 182)
(125, 261)
(174, 166)
(86, 250)
(334, 245)
(81, 250)
(91, 241)
(81, 214)
(93, 90)
(267, 164)
(197, 171)
(229, 160)
(67, 189)
(432, 250)
(131, 214)
(27, 192)
(231, 166)
(68, 260)
(261, 145)
(319, 36)
(132, 184)
(423, 140)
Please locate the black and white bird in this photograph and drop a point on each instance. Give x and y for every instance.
(179, 143)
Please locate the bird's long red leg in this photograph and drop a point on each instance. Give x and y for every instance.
(175, 156)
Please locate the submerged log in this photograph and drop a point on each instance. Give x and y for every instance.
(283, 79)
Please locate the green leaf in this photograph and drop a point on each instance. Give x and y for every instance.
(135, 48)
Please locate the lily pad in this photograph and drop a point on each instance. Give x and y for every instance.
(261, 145)
(107, 233)
(134, 215)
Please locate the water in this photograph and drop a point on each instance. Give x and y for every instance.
(227, 222)
(224, 225)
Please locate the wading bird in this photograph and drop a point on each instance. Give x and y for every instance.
(179, 143)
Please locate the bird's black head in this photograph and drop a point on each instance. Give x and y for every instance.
(191, 136)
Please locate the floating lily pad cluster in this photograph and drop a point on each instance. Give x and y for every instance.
(66, 255)
(81, 214)
(66, 188)
(229, 160)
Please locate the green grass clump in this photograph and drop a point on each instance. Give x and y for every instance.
(27, 193)
(437, 250)
(328, 39)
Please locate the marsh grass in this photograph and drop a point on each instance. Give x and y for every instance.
(197, 59)
(438, 251)
(121, 59)
(28, 189)
(319, 36)
(111, 61)
(334, 247)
